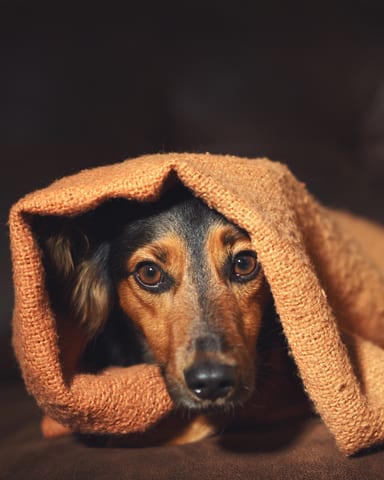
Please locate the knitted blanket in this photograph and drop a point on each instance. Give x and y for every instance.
(324, 268)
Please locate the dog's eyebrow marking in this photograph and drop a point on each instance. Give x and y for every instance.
(166, 250)
(161, 255)
(159, 252)
(231, 236)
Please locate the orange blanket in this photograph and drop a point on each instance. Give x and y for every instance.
(325, 270)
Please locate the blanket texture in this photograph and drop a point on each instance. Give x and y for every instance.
(325, 270)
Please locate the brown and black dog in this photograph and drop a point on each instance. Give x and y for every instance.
(172, 283)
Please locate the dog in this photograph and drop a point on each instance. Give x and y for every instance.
(172, 283)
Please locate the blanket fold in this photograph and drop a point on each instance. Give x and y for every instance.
(325, 270)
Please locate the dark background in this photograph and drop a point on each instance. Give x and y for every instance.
(85, 85)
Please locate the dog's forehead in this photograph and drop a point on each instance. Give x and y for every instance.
(188, 218)
(191, 217)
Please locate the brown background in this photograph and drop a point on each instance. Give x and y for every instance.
(83, 86)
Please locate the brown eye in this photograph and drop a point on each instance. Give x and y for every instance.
(245, 267)
(151, 277)
(149, 274)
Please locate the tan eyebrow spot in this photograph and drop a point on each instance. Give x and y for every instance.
(168, 251)
(230, 235)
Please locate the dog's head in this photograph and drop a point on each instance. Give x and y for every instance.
(191, 284)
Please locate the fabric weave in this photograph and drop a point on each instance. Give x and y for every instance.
(325, 270)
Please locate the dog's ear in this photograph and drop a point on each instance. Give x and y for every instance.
(77, 272)
(91, 292)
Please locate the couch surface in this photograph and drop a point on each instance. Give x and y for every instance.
(299, 449)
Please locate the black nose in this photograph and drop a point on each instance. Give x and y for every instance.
(210, 380)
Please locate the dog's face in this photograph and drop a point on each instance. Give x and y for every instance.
(191, 283)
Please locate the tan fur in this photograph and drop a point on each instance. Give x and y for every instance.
(249, 297)
(173, 430)
(168, 321)
(90, 299)
(152, 313)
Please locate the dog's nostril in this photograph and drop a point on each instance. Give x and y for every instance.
(210, 380)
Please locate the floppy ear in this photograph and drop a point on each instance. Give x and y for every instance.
(77, 273)
(91, 295)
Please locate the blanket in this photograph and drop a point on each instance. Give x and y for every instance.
(324, 268)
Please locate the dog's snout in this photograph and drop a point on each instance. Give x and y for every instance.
(208, 343)
(210, 380)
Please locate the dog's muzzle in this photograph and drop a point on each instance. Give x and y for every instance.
(213, 378)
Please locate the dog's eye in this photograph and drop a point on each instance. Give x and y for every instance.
(245, 267)
(148, 274)
(151, 277)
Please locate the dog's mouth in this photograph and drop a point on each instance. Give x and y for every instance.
(211, 387)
